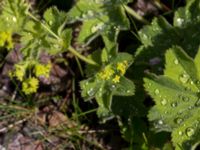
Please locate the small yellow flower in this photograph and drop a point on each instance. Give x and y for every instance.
(42, 70)
(20, 71)
(122, 66)
(30, 85)
(116, 79)
(106, 73)
(6, 40)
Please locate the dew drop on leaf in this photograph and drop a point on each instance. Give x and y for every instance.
(163, 101)
(189, 131)
(180, 21)
(178, 120)
(180, 133)
(197, 103)
(157, 91)
(97, 27)
(145, 36)
(50, 22)
(190, 107)
(185, 99)
(112, 87)
(128, 91)
(14, 19)
(90, 13)
(160, 122)
(197, 82)
(174, 104)
(184, 78)
(84, 16)
(176, 62)
(90, 92)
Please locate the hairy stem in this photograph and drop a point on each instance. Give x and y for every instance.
(70, 48)
(135, 15)
(73, 51)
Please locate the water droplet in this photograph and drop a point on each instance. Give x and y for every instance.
(84, 16)
(14, 19)
(90, 13)
(112, 87)
(91, 92)
(157, 92)
(184, 78)
(160, 122)
(185, 99)
(180, 133)
(190, 107)
(145, 36)
(180, 21)
(163, 101)
(50, 22)
(176, 62)
(187, 88)
(197, 103)
(97, 27)
(189, 131)
(174, 104)
(178, 120)
(197, 82)
(116, 28)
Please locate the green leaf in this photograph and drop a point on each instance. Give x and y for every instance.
(55, 19)
(13, 15)
(66, 35)
(89, 88)
(161, 35)
(180, 68)
(176, 103)
(99, 17)
(124, 88)
(188, 15)
(104, 88)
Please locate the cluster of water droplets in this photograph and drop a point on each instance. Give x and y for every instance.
(98, 27)
(180, 21)
(10, 20)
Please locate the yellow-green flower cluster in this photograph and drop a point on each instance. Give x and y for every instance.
(6, 39)
(30, 85)
(122, 66)
(28, 72)
(116, 79)
(42, 70)
(114, 74)
(107, 73)
(20, 71)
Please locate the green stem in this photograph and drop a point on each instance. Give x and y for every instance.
(73, 51)
(44, 26)
(135, 15)
(70, 48)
